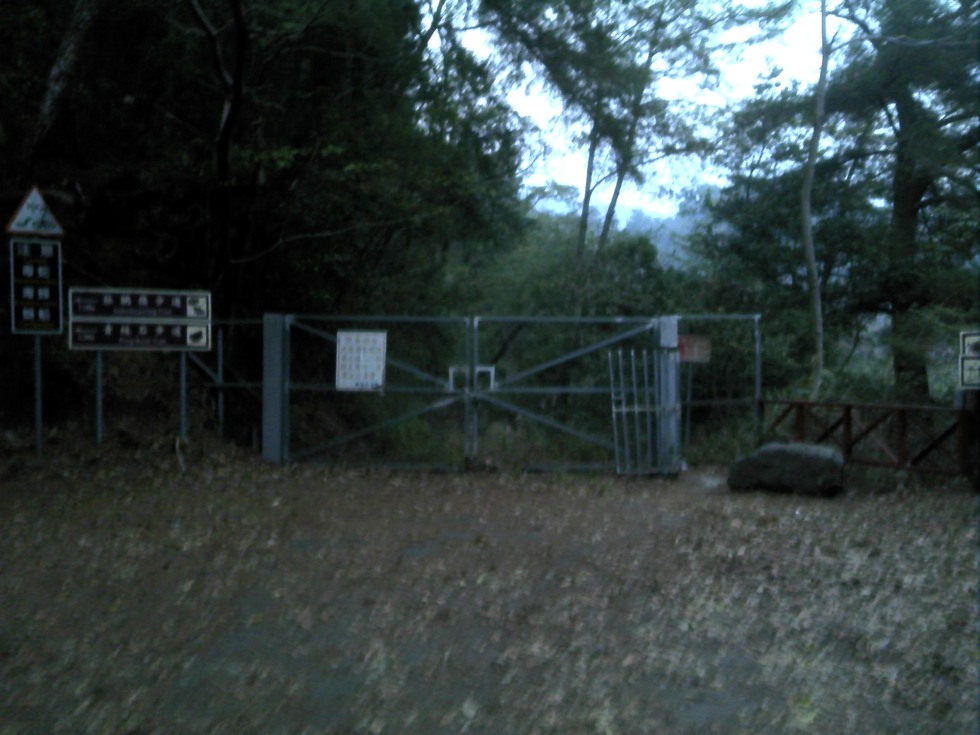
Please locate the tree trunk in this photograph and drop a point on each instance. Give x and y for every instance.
(611, 210)
(908, 359)
(582, 269)
(909, 186)
(83, 14)
(806, 210)
(232, 80)
(583, 220)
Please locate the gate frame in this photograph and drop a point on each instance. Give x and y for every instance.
(664, 330)
(278, 384)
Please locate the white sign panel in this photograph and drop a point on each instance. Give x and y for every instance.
(361, 360)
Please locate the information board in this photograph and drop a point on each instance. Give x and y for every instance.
(139, 319)
(361, 360)
(35, 286)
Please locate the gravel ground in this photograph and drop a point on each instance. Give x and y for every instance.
(146, 592)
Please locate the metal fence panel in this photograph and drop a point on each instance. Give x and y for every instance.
(529, 393)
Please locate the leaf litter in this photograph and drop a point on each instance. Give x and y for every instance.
(149, 593)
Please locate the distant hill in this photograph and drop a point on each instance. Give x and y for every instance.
(667, 233)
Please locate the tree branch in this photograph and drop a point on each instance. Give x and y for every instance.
(212, 35)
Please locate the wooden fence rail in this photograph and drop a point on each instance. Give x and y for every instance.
(912, 438)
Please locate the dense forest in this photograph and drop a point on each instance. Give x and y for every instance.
(361, 157)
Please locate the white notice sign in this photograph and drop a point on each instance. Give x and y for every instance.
(361, 360)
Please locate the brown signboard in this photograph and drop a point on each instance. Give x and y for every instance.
(694, 349)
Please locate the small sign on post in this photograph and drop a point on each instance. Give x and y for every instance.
(34, 218)
(35, 283)
(970, 360)
(694, 349)
(35, 268)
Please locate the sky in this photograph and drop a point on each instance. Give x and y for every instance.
(796, 52)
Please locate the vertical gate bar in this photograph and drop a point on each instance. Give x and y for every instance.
(467, 441)
(658, 398)
(473, 406)
(649, 408)
(848, 432)
(627, 460)
(674, 453)
(275, 388)
(615, 419)
(636, 412)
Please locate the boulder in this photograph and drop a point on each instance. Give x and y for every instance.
(790, 467)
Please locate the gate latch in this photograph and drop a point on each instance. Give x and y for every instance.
(463, 371)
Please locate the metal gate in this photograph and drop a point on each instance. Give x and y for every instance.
(645, 410)
(529, 393)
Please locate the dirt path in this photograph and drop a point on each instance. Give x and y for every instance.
(240, 598)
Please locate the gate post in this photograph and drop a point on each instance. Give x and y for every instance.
(669, 416)
(275, 388)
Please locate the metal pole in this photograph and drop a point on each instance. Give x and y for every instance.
(627, 461)
(636, 412)
(98, 397)
(275, 388)
(650, 406)
(183, 396)
(221, 381)
(615, 418)
(469, 438)
(38, 422)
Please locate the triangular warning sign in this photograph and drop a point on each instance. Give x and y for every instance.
(34, 218)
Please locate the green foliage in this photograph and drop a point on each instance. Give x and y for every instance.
(896, 194)
(719, 442)
(604, 60)
(540, 275)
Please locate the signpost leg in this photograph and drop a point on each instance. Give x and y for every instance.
(183, 396)
(38, 423)
(98, 397)
(221, 382)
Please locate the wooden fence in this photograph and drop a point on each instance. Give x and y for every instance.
(942, 441)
